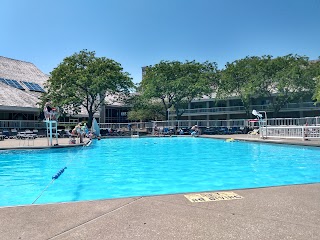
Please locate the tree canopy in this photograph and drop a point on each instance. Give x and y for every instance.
(84, 80)
(175, 84)
(144, 110)
(236, 80)
(315, 74)
(281, 80)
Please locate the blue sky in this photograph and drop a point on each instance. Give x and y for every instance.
(137, 33)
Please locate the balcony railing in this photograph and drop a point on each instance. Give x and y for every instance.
(241, 109)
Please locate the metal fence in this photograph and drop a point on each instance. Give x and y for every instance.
(19, 124)
(302, 132)
(310, 121)
(294, 121)
(125, 126)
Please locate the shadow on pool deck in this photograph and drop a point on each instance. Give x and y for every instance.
(288, 212)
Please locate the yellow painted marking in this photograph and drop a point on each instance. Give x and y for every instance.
(213, 196)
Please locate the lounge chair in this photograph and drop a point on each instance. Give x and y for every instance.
(41, 133)
(223, 130)
(6, 133)
(235, 130)
(166, 131)
(2, 137)
(13, 133)
(210, 131)
(254, 132)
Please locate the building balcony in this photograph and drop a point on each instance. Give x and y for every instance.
(305, 106)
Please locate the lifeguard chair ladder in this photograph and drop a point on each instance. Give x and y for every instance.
(52, 128)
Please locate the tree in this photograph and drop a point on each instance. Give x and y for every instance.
(283, 79)
(314, 73)
(236, 80)
(144, 110)
(175, 84)
(84, 80)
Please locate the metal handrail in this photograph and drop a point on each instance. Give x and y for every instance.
(311, 121)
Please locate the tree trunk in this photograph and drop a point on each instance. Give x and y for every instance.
(90, 119)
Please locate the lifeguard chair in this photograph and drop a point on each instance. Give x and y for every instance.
(51, 116)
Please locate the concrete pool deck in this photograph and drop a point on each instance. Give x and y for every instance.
(36, 143)
(256, 138)
(286, 212)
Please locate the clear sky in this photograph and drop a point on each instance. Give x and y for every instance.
(137, 33)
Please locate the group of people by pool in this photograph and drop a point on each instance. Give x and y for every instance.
(194, 131)
(81, 131)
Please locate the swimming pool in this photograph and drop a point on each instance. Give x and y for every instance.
(126, 167)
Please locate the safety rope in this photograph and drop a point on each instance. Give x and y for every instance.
(43, 191)
(57, 175)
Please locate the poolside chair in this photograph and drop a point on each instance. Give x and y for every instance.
(235, 130)
(6, 133)
(41, 133)
(210, 131)
(2, 137)
(254, 132)
(13, 133)
(166, 131)
(66, 134)
(223, 130)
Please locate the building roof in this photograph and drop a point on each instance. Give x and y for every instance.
(12, 97)
(20, 71)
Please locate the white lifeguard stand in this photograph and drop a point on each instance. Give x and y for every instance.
(52, 131)
(262, 123)
(51, 123)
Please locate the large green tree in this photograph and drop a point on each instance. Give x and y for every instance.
(175, 84)
(83, 80)
(314, 72)
(144, 110)
(236, 80)
(281, 80)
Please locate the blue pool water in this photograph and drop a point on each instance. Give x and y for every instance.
(113, 168)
